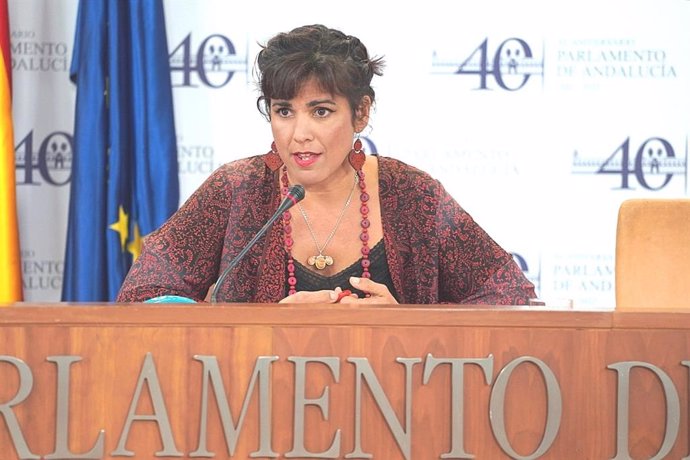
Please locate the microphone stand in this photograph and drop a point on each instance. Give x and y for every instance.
(294, 195)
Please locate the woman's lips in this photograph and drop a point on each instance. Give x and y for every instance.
(305, 159)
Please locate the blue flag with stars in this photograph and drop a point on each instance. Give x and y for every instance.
(124, 172)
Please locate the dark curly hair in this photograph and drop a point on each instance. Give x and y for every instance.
(340, 64)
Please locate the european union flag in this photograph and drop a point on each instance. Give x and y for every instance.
(124, 173)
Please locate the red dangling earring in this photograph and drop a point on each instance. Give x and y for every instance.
(272, 159)
(356, 156)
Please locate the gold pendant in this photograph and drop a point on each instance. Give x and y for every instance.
(320, 261)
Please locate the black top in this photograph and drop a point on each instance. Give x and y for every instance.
(309, 280)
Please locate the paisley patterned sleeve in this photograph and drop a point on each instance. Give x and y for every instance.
(474, 269)
(182, 256)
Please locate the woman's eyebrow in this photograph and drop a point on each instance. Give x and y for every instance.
(321, 101)
(281, 104)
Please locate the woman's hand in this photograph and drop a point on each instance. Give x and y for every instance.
(325, 296)
(377, 293)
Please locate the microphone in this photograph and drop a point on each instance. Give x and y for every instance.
(294, 195)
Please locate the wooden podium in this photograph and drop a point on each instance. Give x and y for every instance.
(268, 381)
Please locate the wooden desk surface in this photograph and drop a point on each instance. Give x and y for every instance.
(518, 362)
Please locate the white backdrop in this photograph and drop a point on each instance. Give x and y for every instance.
(526, 111)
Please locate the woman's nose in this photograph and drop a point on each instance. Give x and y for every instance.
(303, 129)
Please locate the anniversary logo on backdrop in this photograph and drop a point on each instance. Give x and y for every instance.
(646, 163)
(494, 63)
(211, 62)
(50, 163)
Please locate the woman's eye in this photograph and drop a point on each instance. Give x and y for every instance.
(283, 112)
(322, 112)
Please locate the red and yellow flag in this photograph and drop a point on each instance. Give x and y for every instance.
(10, 262)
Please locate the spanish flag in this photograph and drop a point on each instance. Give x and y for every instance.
(10, 272)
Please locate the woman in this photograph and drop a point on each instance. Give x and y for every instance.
(370, 230)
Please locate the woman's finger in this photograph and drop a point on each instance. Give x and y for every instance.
(377, 292)
(324, 296)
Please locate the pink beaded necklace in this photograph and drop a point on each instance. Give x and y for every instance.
(363, 236)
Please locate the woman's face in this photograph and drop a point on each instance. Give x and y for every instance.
(313, 133)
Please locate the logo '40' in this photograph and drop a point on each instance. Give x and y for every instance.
(654, 162)
(509, 65)
(214, 62)
(53, 159)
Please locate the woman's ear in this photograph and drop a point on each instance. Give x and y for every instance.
(362, 114)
